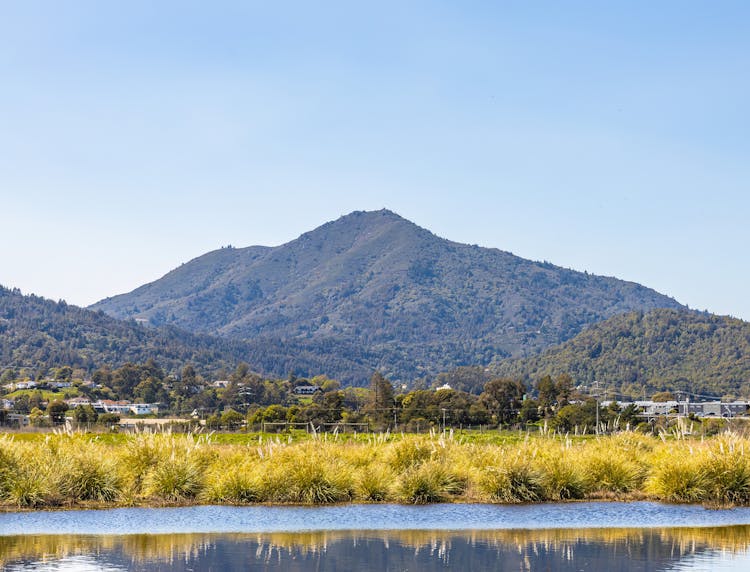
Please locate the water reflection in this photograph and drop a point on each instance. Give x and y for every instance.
(614, 550)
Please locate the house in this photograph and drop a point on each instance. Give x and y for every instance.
(716, 408)
(650, 409)
(76, 401)
(18, 419)
(220, 383)
(306, 389)
(144, 408)
(110, 406)
(26, 385)
(59, 384)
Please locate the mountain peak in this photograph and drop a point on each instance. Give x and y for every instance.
(381, 290)
(362, 226)
(370, 219)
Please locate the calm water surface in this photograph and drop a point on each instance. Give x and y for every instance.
(569, 537)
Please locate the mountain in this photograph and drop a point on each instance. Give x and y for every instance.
(374, 290)
(37, 333)
(661, 350)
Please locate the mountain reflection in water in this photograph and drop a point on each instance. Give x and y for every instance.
(558, 550)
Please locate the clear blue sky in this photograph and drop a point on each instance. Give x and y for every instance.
(612, 137)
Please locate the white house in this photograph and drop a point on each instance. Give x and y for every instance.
(144, 408)
(306, 389)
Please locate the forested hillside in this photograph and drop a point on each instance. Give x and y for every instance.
(373, 290)
(655, 351)
(36, 333)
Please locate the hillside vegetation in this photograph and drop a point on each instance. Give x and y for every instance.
(373, 290)
(660, 350)
(36, 333)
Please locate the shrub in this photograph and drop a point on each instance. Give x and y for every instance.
(428, 483)
(374, 483)
(235, 484)
(678, 478)
(727, 473)
(409, 453)
(512, 480)
(562, 479)
(175, 479)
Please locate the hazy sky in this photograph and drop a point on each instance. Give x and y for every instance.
(612, 137)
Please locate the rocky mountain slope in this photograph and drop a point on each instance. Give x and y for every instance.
(374, 289)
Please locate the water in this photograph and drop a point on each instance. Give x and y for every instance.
(368, 517)
(554, 537)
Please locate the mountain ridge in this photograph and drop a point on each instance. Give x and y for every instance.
(661, 350)
(36, 333)
(416, 303)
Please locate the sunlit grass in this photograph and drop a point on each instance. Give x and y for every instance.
(75, 469)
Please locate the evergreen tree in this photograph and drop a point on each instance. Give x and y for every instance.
(381, 399)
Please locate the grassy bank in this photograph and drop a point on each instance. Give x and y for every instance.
(71, 470)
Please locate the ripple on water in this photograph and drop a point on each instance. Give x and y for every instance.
(367, 517)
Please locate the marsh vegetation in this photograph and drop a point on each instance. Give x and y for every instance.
(155, 469)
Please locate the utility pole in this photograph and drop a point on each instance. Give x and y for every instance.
(596, 382)
(443, 420)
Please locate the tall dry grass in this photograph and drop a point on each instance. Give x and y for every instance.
(68, 469)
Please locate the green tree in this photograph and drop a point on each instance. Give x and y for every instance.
(502, 398)
(36, 417)
(85, 414)
(125, 379)
(36, 399)
(56, 411)
(547, 392)
(64, 373)
(577, 415)
(108, 419)
(662, 396)
(22, 404)
(150, 390)
(273, 414)
(232, 419)
(529, 412)
(381, 399)
(213, 421)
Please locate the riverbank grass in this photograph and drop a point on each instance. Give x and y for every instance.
(154, 469)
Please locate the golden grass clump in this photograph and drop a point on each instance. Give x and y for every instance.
(163, 467)
(307, 473)
(727, 471)
(430, 482)
(8, 464)
(510, 476)
(175, 479)
(84, 475)
(374, 483)
(409, 452)
(608, 469)
(562, 477)
(233, 480)
(678, 477)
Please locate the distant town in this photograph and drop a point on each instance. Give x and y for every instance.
(246, 401)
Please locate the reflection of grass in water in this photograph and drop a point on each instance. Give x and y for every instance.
(156, 469)
(144, 547)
